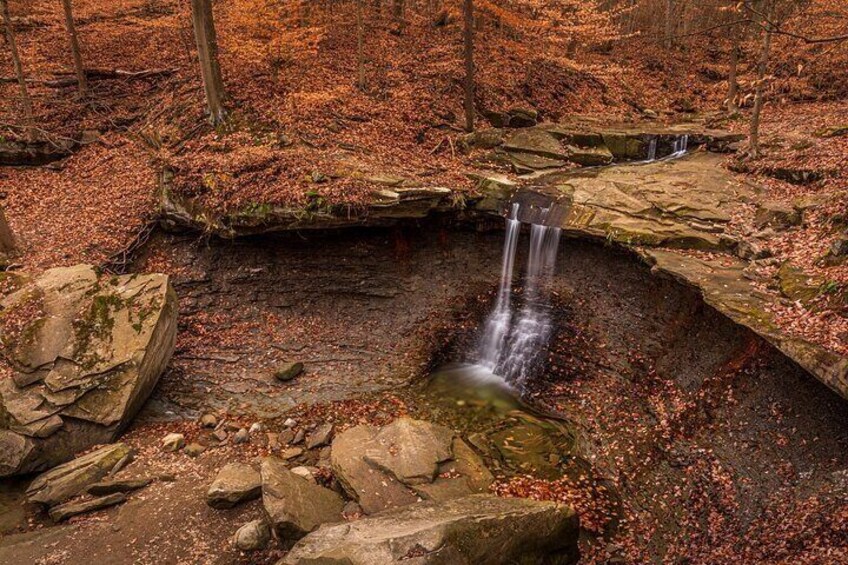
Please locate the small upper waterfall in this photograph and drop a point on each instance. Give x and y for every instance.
(652, 149)
(512, 343)
(681, 145)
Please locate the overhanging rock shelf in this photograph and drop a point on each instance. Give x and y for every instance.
(660, 209)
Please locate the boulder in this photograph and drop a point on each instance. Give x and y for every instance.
(777, 216)
(208, 421)
(70, 479)
(483, 139)
(411, 450)
(513, 118)
(404, 461)
(288, 371)
(536, 141)
(194, 449)
(253, 536)
(471, 530)
(71, 509)
(235, 483)
(34, 153)
(373, 489)
(520, 117)
(295, 506)
(84, 350)
(464, 474)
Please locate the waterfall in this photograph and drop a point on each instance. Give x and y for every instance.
(496, 327)
(681, 145)
(512, 344)
(652, 149)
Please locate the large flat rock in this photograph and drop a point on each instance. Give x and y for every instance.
(472, 530)
(82, 352)
(684, 203)
(405, 461)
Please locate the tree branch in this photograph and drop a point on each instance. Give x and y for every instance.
(769, 25)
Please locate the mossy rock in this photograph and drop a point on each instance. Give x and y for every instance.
(796, 285)
(83, 363)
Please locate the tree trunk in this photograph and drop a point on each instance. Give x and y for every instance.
(26, 101)
(207, 49)
(360, 45)
(669, 23)
(82, 83)
(7, 242)
(754, 136)
(732, 79)
(468, 10)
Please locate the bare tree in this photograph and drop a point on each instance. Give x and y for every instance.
(360, 45)
(669, 24)
(207, 49)
(468, 11)
(82, 83)
(732, 75)
(762, 66)
(26, 101)
(7, 242)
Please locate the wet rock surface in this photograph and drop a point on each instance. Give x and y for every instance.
(84, 351)
(465, 531)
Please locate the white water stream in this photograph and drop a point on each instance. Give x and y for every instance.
(512, 342)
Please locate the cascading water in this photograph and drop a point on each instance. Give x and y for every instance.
(681, 145)
(497, 324)
(652, 150)
(511, 344)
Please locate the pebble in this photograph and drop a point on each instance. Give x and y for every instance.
(173, 442)
(290, 423)
(208, 421)
(194, 449)
(305, 473)
(242, 436)
(291, 452)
